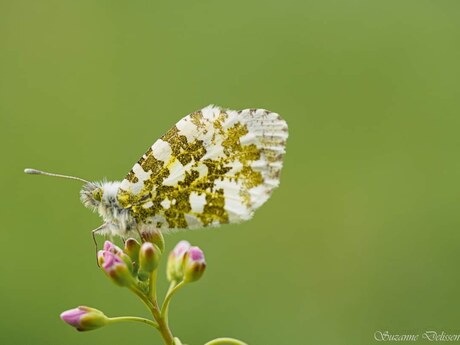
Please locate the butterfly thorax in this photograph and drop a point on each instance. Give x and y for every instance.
(102, 197)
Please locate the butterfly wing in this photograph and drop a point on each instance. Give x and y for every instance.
(213, 167)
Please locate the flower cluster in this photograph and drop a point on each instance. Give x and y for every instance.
(135, 267)
(185, 263)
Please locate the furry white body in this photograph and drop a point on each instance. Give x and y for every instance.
(117, 220)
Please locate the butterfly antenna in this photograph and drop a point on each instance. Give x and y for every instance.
(39, 172)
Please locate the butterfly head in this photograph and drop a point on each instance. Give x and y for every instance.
(91, 195)
(100, 195)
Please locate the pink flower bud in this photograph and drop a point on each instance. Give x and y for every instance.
(115, 267)
(181, 248)
(194, 264)
(174, 269)
(84, 318)
(110, 247)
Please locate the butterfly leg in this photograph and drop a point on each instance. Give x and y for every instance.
(141, 238)
(93, 232)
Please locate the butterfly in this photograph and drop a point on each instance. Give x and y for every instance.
(215, 166)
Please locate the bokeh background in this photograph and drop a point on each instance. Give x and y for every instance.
(363, 233)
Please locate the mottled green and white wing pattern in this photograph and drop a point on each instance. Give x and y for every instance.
(213, 167)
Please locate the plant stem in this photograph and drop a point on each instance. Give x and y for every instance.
(171, 292)
(141, 295)
(163, 327)
(171, 286)
(164, 311)
(133, 318)
(228, 341)
(153, 286)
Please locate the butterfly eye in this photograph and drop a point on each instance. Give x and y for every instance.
(97, 194)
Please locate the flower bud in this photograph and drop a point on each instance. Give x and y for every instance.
(115, 267)
(110, 247)
(174, 269)
(100, 257)
(149, 257)
(194, 264)
(84, 318)
(156, 237)
(132, 249)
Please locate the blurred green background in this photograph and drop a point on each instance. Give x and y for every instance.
(363, 233)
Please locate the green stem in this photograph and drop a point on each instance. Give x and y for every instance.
(164, 311)
(153, 286)
(133, 318)
(141, 295)
(163, 324)
(171, 292)
(228, 341)
(163, 327)
(171, 286)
